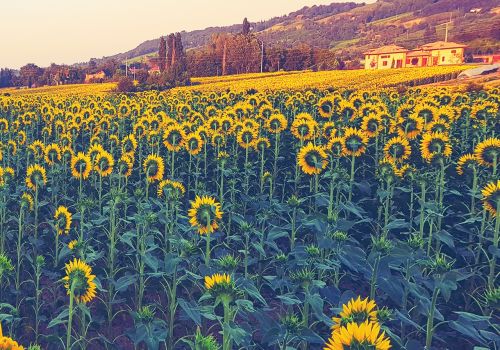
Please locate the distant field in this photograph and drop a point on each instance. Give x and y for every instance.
(360, 78)
(76, 89)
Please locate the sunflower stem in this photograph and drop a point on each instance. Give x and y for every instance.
(493, 261)
(207, 250)
(70, 316)
(430, 319)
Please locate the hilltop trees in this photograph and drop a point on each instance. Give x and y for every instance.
(246, 27)
(7, 77)
(172, 62)
(162, 54)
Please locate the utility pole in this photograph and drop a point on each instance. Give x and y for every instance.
(446, 30)
(224, 58)
(262, 58)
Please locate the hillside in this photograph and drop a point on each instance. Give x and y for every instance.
(349, 28)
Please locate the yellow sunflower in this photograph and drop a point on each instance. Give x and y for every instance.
(79, 278)
(27, 201)
(261, 144)
(357, 311)
(435, 145)
(465, 162)
(354, 142)
(329, 130)
(366, 335)
(410, 127)
(62, 220)
(154, 168)
(334, 146)
(276, 123)
(397, 149)
(36, 176)
(488, 151)
(7, 343)
(81, 166)
(129, 144)
(246, 137)
(217, 279)
(194, 143)
(218, 139)
(174, 137)
(326, 107)
(104, 163)
(170, 189)
(205, 213)
(491, 197)
(303, 129)
(371, 124)
(125, 165)
(312, 159)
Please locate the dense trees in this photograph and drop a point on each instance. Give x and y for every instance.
(162, 54)
(7, 77)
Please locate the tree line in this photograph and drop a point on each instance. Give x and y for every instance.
(223, 54)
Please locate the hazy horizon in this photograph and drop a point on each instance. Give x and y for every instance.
(61, 32)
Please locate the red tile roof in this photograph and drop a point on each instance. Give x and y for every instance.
(386, 49)
(439, 45)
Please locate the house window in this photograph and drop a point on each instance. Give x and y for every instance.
(384, 63)
(442, 59)
(453, 51)
(385, 56)
(407, 61)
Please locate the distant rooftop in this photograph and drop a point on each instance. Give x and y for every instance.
(386, 49)
(442, 45)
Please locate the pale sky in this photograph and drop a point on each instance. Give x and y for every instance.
(70, 31)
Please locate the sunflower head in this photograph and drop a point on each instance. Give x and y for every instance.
(220, 286)
(312, 159)
(27, 201)
(205, 214)
(261, 144)
(81, 166)
(357, 311)
(366, 336)
(488, 151)
(104, 163)
(491, 197)
(397, 149)
(36, 177)
(62, 220)
(203, 342)
(125, 165)
(326, 107)
(170, 189)
(7, 343)
(247, 137)
(80, 281)
(52, 154)
(354, 142)
(435, 146)
(154, 168)
(276, 123)
(194, 144)
(465, 163)
(371, 124)
(174, 137)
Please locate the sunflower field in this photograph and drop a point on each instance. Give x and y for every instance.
(318, 218)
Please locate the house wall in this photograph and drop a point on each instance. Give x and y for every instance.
(385, 61)
(448, 56)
